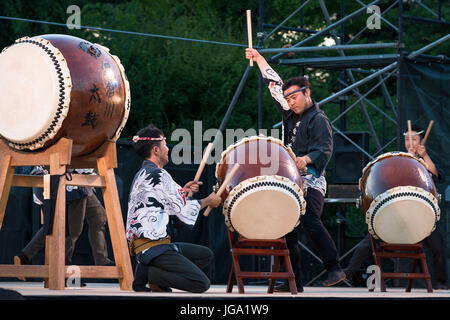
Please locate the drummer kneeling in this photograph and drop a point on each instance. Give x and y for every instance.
(154, 196)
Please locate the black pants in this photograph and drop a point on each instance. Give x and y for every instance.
(362, 252)
(180, 270)
(319, 235)
(436, 244)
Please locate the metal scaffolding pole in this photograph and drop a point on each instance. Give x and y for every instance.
(352, 79)
(327, 29)
(331, 48)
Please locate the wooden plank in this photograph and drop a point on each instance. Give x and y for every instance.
(84, 180)
(403, 255)
(39, 158)
(42, 271)
(56, 241)
(27, 271)
(260, 252)
(87, 180)
(6, 177)
(264, 275)
(22, 180)
(115, 219)
(100, 272)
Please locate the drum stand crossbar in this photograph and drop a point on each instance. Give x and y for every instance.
(404, 251)
(59, 158)
(244, 247)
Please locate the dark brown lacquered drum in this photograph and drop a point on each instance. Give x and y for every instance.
(399, 198)
(264, 198)
(55, 86)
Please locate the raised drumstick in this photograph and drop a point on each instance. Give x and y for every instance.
(202, 163)
(427, 133)
(249, 32)
(223, 186)
(409, 134)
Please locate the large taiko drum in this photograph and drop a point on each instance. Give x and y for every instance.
(54, 86)
(264, 198)
(399, 198)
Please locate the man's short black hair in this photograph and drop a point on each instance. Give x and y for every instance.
(143, 148)
(296, 81)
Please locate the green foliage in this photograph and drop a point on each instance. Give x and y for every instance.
(175, 82)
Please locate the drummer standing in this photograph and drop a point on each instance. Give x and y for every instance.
(307, 131)
(414, 143)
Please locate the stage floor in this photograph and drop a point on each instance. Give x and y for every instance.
(99, 291)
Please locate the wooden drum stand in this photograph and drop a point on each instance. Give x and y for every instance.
(59, 158)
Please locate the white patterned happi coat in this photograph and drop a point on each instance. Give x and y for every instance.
(154, 196)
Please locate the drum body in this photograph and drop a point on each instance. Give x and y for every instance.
(399, 198)
(57, 86)
(264, 198)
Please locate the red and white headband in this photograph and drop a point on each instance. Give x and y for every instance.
(137, 138)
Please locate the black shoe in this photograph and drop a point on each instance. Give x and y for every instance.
(140, 278)
(110, 264)
(140, 288)
(334, 277)
(155, 288)
(348, 274)
(21, 258)
(82, 284)
(284, 287)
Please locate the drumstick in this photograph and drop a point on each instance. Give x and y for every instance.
(249, 32)
(409, 134)
(427, 133)
(223, 186)
(202, 164)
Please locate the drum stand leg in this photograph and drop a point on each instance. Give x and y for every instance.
(404, 251)
(59, 157)
(277, 248)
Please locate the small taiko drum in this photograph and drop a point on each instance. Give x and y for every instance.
(55, 86)
(264, 198)
(399, 198)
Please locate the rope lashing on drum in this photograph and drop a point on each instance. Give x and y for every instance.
(126, 32)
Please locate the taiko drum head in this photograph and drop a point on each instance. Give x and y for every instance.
(55, 86)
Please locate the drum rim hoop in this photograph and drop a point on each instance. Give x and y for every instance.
(65, 88)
